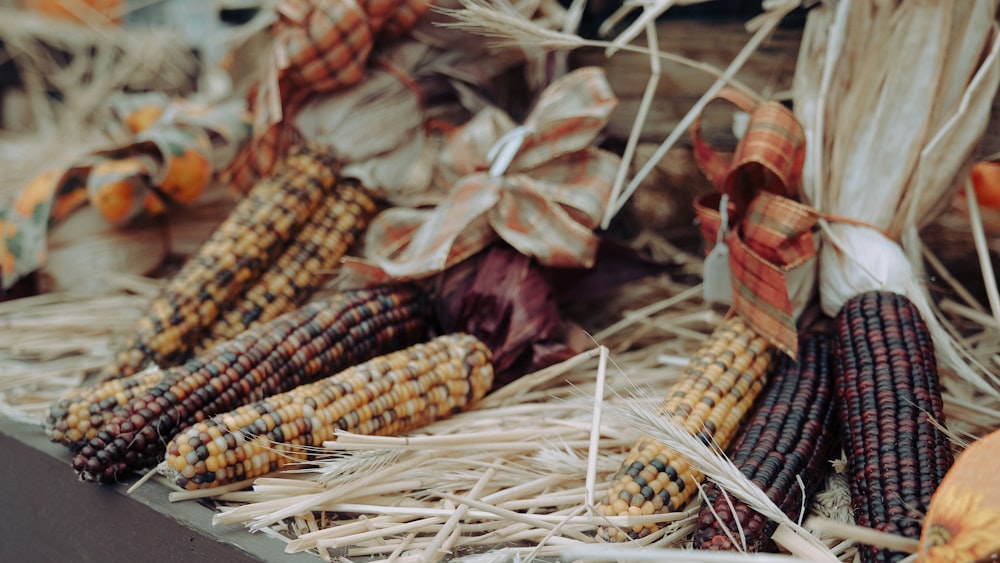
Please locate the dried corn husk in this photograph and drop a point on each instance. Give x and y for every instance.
(436, 75)
(893, 96)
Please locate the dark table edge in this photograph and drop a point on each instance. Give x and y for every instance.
(48, 514)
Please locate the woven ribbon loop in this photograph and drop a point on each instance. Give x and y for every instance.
(771, 238)
(543, 191)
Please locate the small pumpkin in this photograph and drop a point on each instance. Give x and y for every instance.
(963, 521)
(119, 187)
(110, 9)
(143, 118)
(188, 173)
(986, 183)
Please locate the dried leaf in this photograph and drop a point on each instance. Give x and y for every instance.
(505, 299)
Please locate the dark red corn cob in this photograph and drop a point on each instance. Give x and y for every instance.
(309, 343)
(889, 398)
(789, 434)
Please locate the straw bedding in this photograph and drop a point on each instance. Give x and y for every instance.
(522, 465)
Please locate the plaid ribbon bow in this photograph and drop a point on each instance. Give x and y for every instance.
(540, 186)
(770, 235)
(319, 46)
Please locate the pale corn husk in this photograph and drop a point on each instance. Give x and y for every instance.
(435, 62)
(893, 97)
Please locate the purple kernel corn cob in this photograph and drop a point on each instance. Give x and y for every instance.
(790, 433)
(889, 399)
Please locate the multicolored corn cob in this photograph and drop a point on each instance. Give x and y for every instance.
(889, 402)
(387, 395)
(712, 396)
(78, 417)
(790, 434)
(296, 348)
(252, 236)
(291, 279)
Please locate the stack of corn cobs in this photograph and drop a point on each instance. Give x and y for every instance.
(229, 376)
(870, 385)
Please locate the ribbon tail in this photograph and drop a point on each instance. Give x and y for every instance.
(772, 255)
(453, 231)
(760, 297)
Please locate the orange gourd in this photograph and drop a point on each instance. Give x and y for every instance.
(110, 9)
(963, 521)
(986, 182)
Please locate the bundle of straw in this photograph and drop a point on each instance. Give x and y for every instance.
(894, 97)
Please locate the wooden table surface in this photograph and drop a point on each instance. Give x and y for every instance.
(50, 515)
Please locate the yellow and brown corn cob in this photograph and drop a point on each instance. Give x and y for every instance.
(387, 395)
(296, 348)
(889, 403)
(78, 417)
(791, 433)
(712, 396)
(292, 279)
(252, 236)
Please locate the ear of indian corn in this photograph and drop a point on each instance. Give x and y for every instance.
(291, 279)
(273, 357)
(286, 284)
(789, 435)
(251, 237)
(387, 395)
(710, 399)
(78, 417)
(889, 403)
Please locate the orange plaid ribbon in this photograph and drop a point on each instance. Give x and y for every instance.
(319, 46)
(540, 186)
(771, 234)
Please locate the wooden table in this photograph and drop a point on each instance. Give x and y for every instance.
(50, 515)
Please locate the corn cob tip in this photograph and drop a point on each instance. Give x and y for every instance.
(82, 413)
(709, 400)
